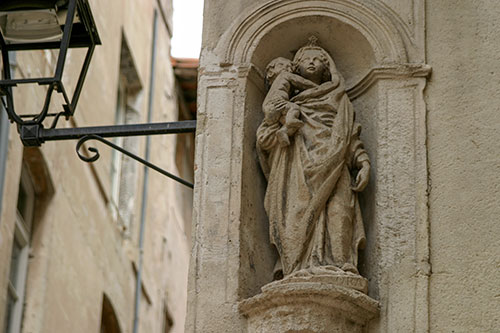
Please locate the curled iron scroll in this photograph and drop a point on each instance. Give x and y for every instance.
(96, 156)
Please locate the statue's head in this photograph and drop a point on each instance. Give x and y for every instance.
(312, 62)
(277, 66)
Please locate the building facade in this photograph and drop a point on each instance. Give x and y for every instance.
(422, 77)
(69, 230)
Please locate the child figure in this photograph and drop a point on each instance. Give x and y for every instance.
(277, 105)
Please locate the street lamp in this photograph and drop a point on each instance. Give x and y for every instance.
(45, 24)
(61, 24)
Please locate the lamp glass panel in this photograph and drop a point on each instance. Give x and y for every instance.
(31, 26)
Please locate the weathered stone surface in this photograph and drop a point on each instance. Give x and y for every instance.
(313, 303)
(387, 93)
(463, 100)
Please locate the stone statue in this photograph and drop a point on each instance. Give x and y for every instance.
(315, 165)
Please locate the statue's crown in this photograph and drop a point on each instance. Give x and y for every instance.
(313, 41)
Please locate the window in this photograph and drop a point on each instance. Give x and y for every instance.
(20, 252)
(4, 132)
(124, 169)
(116, 159)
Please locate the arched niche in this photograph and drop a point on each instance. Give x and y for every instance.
(369, 18)
(354, 58)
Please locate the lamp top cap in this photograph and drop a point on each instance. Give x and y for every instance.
(82, 34)
(10, 5)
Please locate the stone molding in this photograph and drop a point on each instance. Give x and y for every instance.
(388, 72)
(372, 19)
(308, 305)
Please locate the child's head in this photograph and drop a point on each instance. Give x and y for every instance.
(277, 66)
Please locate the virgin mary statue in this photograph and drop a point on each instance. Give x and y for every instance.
(313, 182)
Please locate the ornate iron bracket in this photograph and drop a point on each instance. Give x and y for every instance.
(95, 157)
(36, 135)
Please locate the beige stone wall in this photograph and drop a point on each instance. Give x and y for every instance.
(431, 207)
(78, 250)
(214, 24)
(464, 164)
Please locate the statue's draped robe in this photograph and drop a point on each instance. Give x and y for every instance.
(313, 212)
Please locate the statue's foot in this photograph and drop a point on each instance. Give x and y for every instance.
(331, 269)
(346, 276)
(347, 267)
(283, 138)
(301, 273)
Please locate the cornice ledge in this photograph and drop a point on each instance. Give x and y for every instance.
(397, 71)
(246, 70)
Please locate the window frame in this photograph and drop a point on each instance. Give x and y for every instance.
(117, 157)
(123, 170)
(22, 236)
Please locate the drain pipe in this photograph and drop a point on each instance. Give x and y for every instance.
(145, 186)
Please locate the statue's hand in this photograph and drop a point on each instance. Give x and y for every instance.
(362, 178)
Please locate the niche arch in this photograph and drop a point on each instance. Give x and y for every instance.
(379, 28)
(362, 40)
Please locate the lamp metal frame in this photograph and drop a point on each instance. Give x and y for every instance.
(30, 126)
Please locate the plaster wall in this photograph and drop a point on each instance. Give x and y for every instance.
(218, 15)
(464, 165)
(79, 251)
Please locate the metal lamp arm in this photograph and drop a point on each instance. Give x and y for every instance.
(96, 156)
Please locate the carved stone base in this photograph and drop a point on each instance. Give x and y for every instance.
(311, 304)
